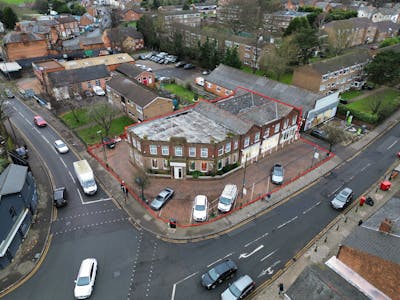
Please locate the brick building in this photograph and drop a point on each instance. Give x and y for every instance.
(137, 74)
(20, 45)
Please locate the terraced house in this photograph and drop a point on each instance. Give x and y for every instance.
(212, 138)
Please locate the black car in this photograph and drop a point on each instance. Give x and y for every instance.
(162, 198)
(222, 271)
(320, 134)
(188, 66)
(110, 143)
(60, 197)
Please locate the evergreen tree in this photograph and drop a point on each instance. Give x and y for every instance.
(9, 17)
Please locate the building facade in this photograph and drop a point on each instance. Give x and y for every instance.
(18, 205)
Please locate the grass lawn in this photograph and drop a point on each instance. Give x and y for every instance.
(248, 69)
(350, 94)
(15, 2)
(389, 97)
(70, 120)
(180, 91)
(89, 135)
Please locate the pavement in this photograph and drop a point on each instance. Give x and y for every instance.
(109, 177)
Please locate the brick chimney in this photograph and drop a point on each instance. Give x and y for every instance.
(386, 226)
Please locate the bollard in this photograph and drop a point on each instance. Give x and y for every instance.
(316, 248)
(172, 223)
(337, 228)
(345, 220)
(326, 239)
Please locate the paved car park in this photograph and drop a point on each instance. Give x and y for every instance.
(297, 159)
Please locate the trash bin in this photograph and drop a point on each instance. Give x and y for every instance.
(363, 128)
(369, 201)
(385, 185)
(172, 223)
(362, 200)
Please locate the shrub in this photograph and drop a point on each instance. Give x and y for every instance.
(196, 174)
(359, 115)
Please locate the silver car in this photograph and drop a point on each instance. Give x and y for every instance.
(239, 289)
(162, 198)
(343, 198)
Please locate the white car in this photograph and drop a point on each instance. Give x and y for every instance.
(60, 146)
(84, 283)
(98, 90)
(200, 208)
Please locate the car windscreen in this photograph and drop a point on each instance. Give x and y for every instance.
(234, 290)
(83, 281)
(200, 207)
(341, 197)
(89, 183)
(213, 274)
(278, 171)
(224, 200)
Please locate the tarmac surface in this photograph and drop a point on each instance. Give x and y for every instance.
(37, 242)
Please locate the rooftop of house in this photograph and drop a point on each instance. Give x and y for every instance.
(62, 19)
(48, 64)
(107, 60)
(138, 93)
(349, 23)
(342, 61)
(130, 70)
(12, 179)
(118, 34)
(388, 26)
(232, 78)
(21, 37)
(68, 77)
(319, 282)
(367, 237)
(206, 122)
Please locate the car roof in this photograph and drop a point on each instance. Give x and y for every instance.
(59, 142)
(226, 264)
(243, 282)
(86, 264)
(346, 191)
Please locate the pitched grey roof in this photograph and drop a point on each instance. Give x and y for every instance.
(343, 61)
(138, 93)
(12, 179)
(129, 70)
(66, 77)
(350, 23)
(367, 238)
(319, 282)
(19, 37)
(92, 40)
(254, 108)
(232, 78)
(386, 26)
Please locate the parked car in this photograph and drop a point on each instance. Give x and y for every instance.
(200, 208)
(84, 283)
(60, 197)
(188, 66)
(342, 198)
(227, 199)
(239, 289)
(277, 174)
(205, 72)
(320, 134)
(180, 64)
(88, 93)
(98, 90)
(39, 121)
(216, 275)
(162, 198)
(22, 152)
(77, 96)
(8, 93)
(60, 146)
(109, 142)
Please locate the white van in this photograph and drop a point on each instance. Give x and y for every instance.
(227, 198)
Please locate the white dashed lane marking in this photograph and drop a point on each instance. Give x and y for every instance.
(87, 214)
(90, 226)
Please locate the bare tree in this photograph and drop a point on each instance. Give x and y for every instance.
(374, 103)
(339, 39)
(142, 181)
(103, 114)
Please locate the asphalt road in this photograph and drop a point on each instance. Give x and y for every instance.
(135, 265)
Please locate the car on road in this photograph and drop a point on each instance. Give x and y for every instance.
(98, 90)
(60, 197)
(188, 66)
(8, 93)
(319, 133)
(162, 198)
(342, 198)
(39, 121)
(277, 174)
(109, 142)
(239, 289)
(60, 146)
(200, 208)
(84, 283)
(216, 275)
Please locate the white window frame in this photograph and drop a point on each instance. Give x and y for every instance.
(204, 152)
(220, 150)
(177, 150)
(153, 149)
(165, 150)
(192, 151)
(228, 147)
(256, 137)
(246, 142)
(277, 127)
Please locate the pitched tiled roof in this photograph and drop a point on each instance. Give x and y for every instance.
(20, 37)
(232, 78)
(350, 23)
(12, 179)
(66, 77)
(129, 70)
(342, 61)
(386, 26)
(132, 91)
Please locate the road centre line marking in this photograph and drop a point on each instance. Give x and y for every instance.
(310, 208)
(62, 161)
(180, 281)
(366, 166)
(213, 263)
(265, 257)
(47, 141)
(287, 222)
(257, 239)
(230, 254)
(73, 179)
(394, 143)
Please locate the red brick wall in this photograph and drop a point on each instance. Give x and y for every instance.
(26, 50)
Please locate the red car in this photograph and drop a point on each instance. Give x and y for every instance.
(39, 121)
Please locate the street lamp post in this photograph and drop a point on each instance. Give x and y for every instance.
(259, 40)
(104, 146)
(244, 175)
